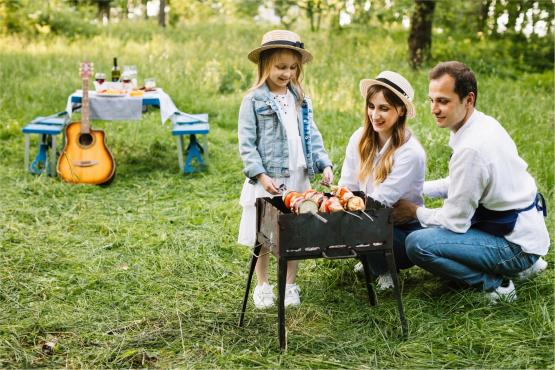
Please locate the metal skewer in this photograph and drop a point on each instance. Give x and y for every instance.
(319, 217)
(367, 215)
(352, 214)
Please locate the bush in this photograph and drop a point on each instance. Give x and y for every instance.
(515, 50)
(31, 19)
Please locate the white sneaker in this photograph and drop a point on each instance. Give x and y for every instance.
(263, 296)
(292, 297)
(384, 282)
(505, 292)
(538, 266)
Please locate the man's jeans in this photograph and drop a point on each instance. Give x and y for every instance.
(475, 258)
(377, 262)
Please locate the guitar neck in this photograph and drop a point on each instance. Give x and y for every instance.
(85, 122)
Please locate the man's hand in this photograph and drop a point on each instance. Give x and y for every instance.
(268, 184)
(404, 211)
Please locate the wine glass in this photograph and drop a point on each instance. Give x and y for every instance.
(100, 77)
(132, 72)
(126, 80)
(150, 84)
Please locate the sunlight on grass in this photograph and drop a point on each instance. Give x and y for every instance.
(146, 272)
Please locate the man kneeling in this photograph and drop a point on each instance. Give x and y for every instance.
(491, 226)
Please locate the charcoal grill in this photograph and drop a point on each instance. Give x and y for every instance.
(305, 236)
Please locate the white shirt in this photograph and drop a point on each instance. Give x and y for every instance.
(404, 181)
(287, 105)
(485, 168)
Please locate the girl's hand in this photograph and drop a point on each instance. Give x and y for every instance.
(268, 184)
(327, 177)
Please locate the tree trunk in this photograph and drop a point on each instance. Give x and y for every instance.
(162, 14)
(420, 37)
(103, 9)
(483, 11)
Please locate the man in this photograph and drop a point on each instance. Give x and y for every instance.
(491, 225)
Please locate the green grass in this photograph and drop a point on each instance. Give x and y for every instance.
(146, 272)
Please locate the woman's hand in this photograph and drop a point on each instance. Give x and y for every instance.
(268, 184)
(327, 177)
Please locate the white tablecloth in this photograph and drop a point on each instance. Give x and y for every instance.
(123, 107)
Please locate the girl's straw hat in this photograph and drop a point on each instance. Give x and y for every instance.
(394, 82)
(280, 39)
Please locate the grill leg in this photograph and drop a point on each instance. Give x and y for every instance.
(254, 258)
(282, 276)
(396, 289)
(369, 285)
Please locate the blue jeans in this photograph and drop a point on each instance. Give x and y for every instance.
(475, 258)
(377, 262)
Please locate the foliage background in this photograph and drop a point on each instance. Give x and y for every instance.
(146, 272)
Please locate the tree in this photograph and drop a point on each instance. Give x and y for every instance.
(162, 14)
(483, 13)
(103, 9)
(420, 37)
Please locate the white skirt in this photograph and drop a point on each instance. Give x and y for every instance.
(298, 181)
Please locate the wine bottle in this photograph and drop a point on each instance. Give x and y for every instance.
(116, 72)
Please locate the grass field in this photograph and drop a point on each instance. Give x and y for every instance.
(146, 272)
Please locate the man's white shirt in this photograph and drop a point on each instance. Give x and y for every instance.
(485, 168)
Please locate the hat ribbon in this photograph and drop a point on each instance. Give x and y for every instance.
(396, 87)
(296, 44)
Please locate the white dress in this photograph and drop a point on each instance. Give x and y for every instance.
(298, 179)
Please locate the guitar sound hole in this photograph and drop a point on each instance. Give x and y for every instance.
(85, 140)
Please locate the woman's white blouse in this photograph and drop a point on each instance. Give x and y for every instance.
(405, 181)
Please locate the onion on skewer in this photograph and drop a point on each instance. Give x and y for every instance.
(299, 203)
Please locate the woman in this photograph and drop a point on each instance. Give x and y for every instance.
(385, 160)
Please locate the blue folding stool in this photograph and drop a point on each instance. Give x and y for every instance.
(48, 128)
(192, 125)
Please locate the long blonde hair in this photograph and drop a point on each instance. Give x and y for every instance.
(368, 146)
(268, 58)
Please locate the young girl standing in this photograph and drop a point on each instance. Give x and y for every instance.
(279, 144)
(385, 160)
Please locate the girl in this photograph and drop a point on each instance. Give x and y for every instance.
(279, 144)
(385, 160)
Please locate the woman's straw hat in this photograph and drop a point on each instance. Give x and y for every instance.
(280, 39)
(394, 82)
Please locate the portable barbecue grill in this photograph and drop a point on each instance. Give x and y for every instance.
(306, 236)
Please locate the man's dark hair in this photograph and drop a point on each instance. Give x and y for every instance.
(465, 80)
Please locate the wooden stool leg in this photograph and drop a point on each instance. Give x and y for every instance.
(282, 277)
(27, 148)
(53, 157)
(254, 259)
(179, 139)
(205, 142)
(396, 289)
(372, 299)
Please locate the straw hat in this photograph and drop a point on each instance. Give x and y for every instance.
(394, 82)
(280, 39)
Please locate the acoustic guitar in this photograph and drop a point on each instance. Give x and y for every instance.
(85, 159)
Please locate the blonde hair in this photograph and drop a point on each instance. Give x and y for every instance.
(268, 58)
(368, 146)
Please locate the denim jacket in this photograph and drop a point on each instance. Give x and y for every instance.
(263, 142)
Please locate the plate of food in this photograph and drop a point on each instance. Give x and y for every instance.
(112, 92)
